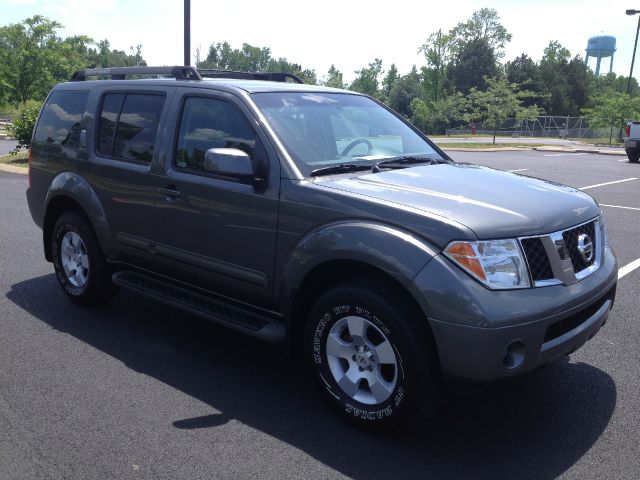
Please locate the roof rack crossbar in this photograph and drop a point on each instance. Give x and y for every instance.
(269, 76)
(120, 73)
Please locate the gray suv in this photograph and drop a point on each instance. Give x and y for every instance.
(320, 218)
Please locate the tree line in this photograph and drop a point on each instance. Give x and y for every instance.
(464, 79)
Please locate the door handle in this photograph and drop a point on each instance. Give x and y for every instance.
(170, 193)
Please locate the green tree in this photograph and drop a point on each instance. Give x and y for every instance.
(484, 24)
(579, 78)
(222, 56)
(366, 80)
(554, 83)
(437, 53)
(472, 63)
(500, 101)
(611, 109)
(389, 82)
(524, 72)
(439, 115)
(334, 78)
(28, 50)
(403, 91)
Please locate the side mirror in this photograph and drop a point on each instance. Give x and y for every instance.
(231, 162)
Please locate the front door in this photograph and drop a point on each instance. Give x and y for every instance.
(214, 232)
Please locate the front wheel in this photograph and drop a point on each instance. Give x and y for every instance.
(633, 154)
(373, 355)
(80, 265)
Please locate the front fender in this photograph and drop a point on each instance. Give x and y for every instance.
(75, 187)
(398, 253)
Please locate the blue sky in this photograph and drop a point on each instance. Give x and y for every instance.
(348, 33)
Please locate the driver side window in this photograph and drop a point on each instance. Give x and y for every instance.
(210, 123)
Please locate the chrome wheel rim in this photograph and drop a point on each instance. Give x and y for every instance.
(362, 360)
(74, 259)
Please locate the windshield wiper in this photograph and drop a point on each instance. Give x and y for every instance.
(340, 168)
(402, 162)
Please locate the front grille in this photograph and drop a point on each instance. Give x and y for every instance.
(537, 258)
(570, 238)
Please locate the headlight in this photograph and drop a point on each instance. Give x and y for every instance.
(603, 231)
(498, 264)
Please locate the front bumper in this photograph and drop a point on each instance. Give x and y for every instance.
(484, 334)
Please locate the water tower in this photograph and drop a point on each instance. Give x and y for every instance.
(601, 46)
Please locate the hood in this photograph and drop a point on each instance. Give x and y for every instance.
(492, 203)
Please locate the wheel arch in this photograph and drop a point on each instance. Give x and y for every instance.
(345, 251)
(70, 191)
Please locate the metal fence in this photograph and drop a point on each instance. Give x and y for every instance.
(543, 126)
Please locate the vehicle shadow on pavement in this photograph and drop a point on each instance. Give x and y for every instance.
(536, 426)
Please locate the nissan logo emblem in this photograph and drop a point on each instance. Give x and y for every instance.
(585, 247)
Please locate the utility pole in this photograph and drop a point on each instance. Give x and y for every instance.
(187, 32)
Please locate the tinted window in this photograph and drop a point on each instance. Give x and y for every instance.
(128, 125)
(108, 119)
(59, 123)
(207, 123)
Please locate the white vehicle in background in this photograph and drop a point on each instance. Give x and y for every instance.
(632, 140)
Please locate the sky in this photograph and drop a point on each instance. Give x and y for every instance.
(346, 33)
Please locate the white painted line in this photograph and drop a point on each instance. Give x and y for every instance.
(623, 160)
(628, 268)
(518, 170)
(562, 154)
(607, 183)
(619, 206)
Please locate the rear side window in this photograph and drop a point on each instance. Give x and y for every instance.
(209, 123)
(59, 122)
(129, 125)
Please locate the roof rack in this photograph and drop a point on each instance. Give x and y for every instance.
(268, 76)
(181, 73)
(120, 73)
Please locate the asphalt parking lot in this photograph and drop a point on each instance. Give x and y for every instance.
(138, 390)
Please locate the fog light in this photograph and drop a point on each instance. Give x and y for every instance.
(515, 355)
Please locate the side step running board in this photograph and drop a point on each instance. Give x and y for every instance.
(231, 316)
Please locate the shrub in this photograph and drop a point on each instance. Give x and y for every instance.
(23, 125)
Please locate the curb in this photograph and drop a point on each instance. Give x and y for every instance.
(580, 150)
(488, 149)
(13, 169)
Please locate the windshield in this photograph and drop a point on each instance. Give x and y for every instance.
(324, 129)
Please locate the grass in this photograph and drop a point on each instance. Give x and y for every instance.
(600, 141)
(465, 135)
(18, 160)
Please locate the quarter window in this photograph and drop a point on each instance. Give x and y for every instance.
(209, 123)
(60, 120)
(129, 125)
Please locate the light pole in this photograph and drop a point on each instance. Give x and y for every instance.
(187, 32)
(635, 45)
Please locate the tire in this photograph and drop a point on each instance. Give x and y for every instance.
(633, 154)
(80, 265)
(373, 355)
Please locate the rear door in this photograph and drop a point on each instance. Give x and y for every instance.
(216, 232)
(125, 139)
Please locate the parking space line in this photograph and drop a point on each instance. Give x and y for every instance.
(607, 183)
(628, 268)
(518, 170)
(619, 206)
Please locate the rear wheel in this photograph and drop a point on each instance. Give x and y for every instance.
(80, 265)
(373, 355)
(633, 154)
